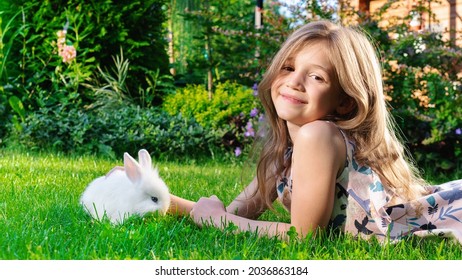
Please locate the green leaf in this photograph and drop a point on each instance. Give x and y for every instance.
(17, 106)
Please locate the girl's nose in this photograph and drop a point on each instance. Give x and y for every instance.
(295, 82)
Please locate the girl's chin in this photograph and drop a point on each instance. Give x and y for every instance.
(289, 118)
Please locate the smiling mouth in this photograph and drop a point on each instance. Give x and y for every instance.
(293, 100)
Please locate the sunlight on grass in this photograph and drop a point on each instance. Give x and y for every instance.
(40, 218)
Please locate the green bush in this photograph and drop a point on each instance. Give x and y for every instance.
(228, 100)
(233, 111)
(117, 130)
(205, 128)
(426, 98)
(423, 84)
(36, 80)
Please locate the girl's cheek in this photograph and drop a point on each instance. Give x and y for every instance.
(277, 82)
(274, 87)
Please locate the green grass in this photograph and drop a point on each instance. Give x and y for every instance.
(40, 218)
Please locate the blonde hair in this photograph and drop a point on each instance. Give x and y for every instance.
(370, 124)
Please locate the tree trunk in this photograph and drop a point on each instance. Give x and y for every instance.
(209, 55)
(171, 43)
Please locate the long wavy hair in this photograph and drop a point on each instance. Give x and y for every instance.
(369, 124)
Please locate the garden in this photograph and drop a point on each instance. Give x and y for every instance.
(82, 82)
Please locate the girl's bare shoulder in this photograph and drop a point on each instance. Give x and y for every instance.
(321, 139)
(320, 130)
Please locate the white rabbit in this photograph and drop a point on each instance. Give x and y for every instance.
(135, 189)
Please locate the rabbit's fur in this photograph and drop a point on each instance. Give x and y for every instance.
(135, 189)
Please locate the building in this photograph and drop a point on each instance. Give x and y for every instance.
(445, 15)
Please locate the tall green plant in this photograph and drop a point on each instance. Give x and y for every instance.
(97, 30)
(6, 43)
(8, 34)
(110, 88)
(113, 90)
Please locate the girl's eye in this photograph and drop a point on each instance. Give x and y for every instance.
(154, 199)
(317, 78)
(287, 68)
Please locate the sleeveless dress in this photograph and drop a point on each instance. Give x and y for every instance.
(360, 205)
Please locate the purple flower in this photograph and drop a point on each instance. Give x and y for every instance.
(458, 131)
(255, 89)
(237, 151)
(261, 118)
(250, 132)
(253, 112)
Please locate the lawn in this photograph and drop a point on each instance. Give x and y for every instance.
(40, 218)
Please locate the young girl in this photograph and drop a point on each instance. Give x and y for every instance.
(331, 155)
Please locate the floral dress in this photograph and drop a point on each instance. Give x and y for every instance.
(360, 206)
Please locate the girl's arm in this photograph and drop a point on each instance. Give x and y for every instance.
(319, 155)
(180, 206)
(247, 204)
(211, 211)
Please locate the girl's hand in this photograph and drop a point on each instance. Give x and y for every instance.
(211, 211)
(208, 210)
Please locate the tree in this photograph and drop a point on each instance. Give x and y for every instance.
(217, 40)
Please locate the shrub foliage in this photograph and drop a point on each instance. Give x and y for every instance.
(89, 105)
(116, 130)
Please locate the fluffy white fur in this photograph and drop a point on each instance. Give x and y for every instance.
(125, 191)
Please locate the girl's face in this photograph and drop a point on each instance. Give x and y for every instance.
(305, 89)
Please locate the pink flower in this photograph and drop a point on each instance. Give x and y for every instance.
(61, 33)
(68, 53)
(61, 39)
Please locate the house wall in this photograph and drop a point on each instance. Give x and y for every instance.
(448, 15)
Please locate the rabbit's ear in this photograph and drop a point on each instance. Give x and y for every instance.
(132, 168)
(115, 170)
(145, 159)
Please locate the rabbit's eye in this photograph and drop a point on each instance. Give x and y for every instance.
(154, 199)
